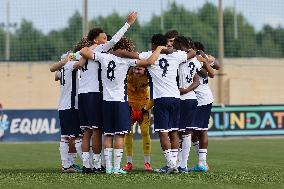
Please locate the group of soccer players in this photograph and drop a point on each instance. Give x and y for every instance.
(106, 87)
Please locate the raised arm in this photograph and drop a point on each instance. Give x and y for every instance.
(130, 20)
(153, 58)
(193, 86)
(56, 66)
(191, 54)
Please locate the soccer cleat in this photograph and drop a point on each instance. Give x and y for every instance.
(200, 168)
(172, 170)
(129, 166)
(86, 170)
(77, 167)
(103, 169)
(108, 171)
(118, 171)
(182, 170)
(98, 170)
(162, 170)
(69, 170)
(147, 166)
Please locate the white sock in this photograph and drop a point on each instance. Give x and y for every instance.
(63, 149)
(78, 146)
(108, 157)
(129, 159)
(103, 161)
(86, 159)
(97, 161)
(202, 157)
(196, 147)
(168, 154)
(146, 159)
(179, 157)
(91, 159)
(117, 158)
(72, 157)
(186, 144)
(174, 158)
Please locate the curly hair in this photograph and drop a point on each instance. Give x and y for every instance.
(124, 44)
(84, 42)
(181, 43)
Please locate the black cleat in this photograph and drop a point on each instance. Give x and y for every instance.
(98, 171)
(86, 170)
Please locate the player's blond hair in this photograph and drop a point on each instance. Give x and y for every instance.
(125, 44)
(84, 42)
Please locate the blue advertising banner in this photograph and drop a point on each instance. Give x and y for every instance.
(43, 125)
(29, 125)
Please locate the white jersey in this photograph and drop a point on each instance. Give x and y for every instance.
(114, 71)
(203, 92)
(164, 73)
(186, 73)
(90, 78)
(68, 87)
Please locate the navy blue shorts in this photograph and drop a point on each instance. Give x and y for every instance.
(69, 123)
(166, 114)
(202, 116)
(116, 117)
(90, 110)
(187, 113)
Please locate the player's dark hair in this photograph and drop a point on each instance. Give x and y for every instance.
(181, 43)
(199, 46)
(124, 44)
(84, 42)
(109, 37)
(159, 40)
(191, 43)
(171, 34)
(94, 33)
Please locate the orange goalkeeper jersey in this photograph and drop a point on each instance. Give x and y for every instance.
(138, 92)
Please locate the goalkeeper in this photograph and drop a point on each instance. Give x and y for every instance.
(140, 108)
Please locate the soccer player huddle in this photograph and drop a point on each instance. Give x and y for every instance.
(106, 87)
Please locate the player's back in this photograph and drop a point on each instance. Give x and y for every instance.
(68, 87)
(114, 71)
(164, 73)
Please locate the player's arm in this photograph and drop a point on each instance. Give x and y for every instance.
(193, 86)
(57, 76)
(213, 62)
(130, 20)
(87, 53)
(153, 58)
(125, 54)
(191, 54)
(79, 64)
(202, 73)
(206, 64)
(56, 66)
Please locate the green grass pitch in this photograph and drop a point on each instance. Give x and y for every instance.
(236, 163)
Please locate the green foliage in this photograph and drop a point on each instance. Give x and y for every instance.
(30, 44)
(235, 163)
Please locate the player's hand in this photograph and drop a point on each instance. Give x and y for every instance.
(67, 57)
(131, 18)
(162, 47)
(211, 59)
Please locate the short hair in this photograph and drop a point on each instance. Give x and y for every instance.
(125, 44)
(191, 43)
(181, 43)
(199, 46)
(171, 34)
(109, 37)
(159, 40)
(94, 33)
(84, 42)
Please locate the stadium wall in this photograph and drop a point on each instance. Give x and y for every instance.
(30, 85)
